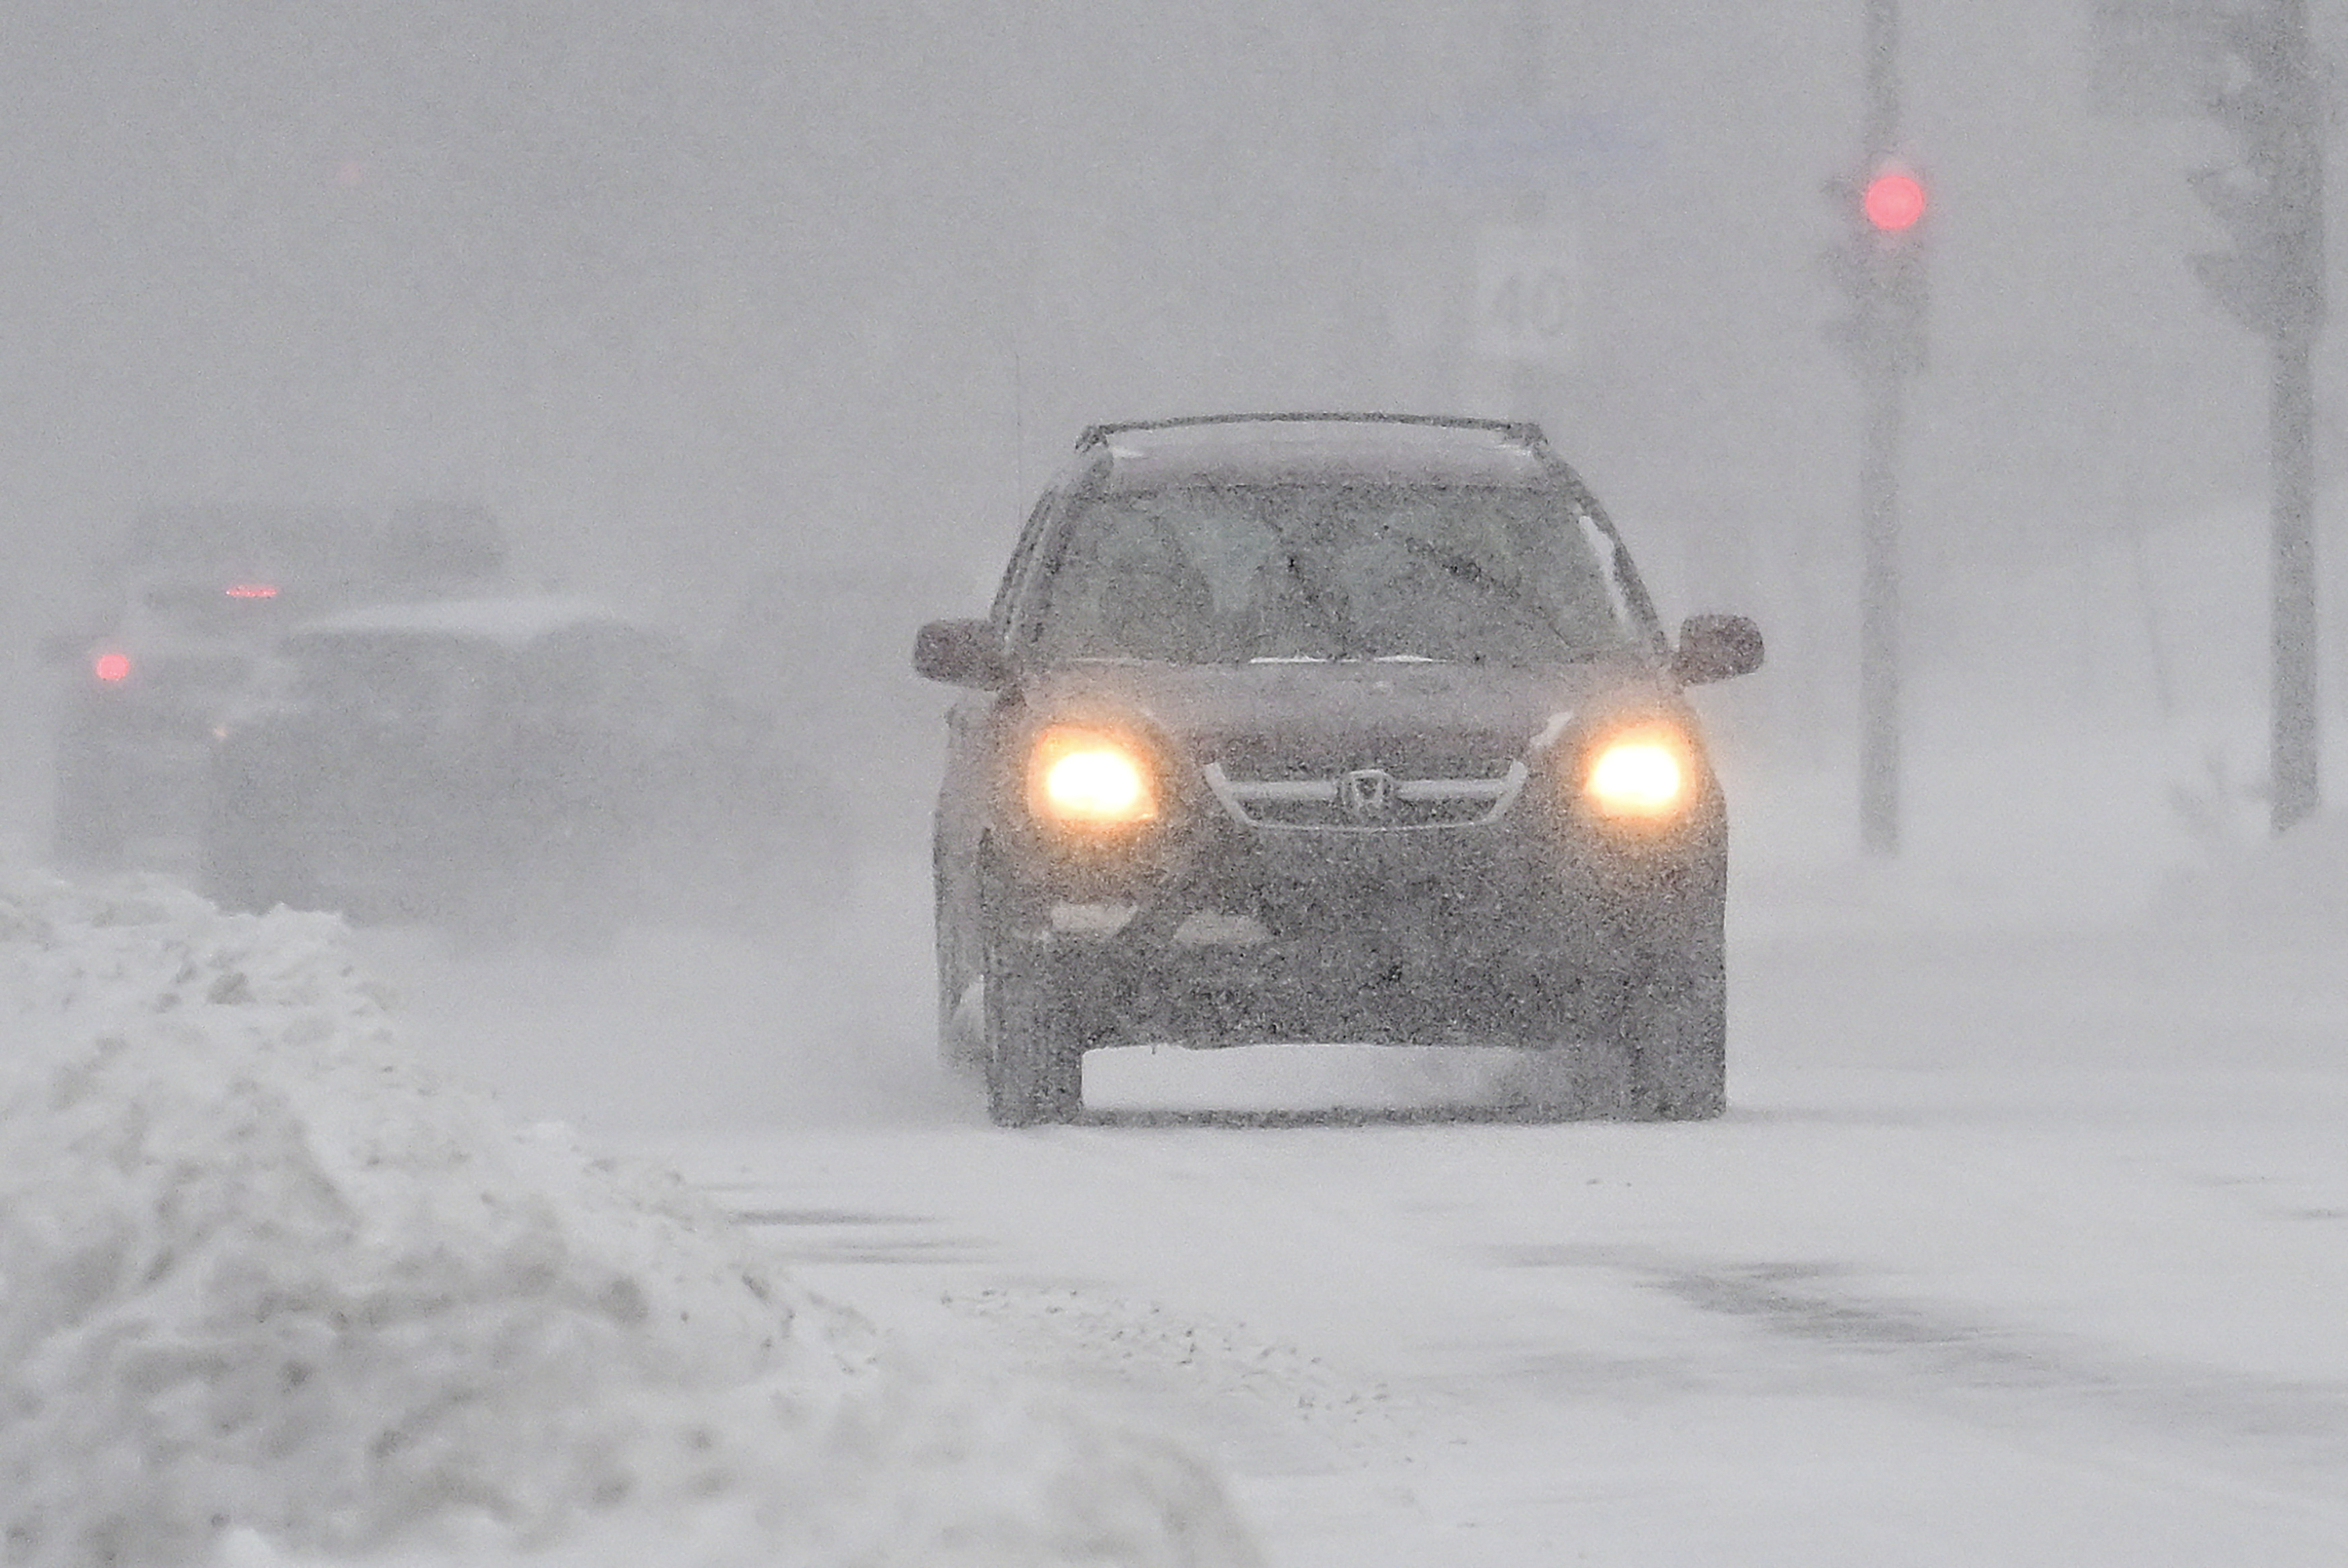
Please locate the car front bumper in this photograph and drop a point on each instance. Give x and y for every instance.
(1509, 932)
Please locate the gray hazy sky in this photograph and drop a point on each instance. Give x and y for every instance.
(696, 295)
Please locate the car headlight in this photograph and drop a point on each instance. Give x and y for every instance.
(1645, 775)
(1090, 778)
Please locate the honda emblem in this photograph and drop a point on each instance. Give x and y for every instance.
(1366, 793)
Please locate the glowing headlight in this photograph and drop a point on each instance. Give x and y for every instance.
(1088, 778)
(1638, 776)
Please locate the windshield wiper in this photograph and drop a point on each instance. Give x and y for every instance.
(1467, 568)
(1322, 606)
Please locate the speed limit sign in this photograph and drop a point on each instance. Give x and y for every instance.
(1528, 299)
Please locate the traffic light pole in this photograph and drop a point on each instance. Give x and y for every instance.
(1879, 379)
(1882, 46)
(1878, 629)
(2295, 763)
(2270, 95)
(2285, 130)
(1527, 388)
(2299, 199)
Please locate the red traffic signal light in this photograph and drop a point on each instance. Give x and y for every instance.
(1893, 201)
(1880, 258)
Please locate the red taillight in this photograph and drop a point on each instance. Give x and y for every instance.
(112, 668)
(252, 590)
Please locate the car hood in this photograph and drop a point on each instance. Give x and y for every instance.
(1277, 719)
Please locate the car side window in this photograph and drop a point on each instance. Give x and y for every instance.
(617, 680)
(1622, 582)
(564, 675)
(1148, 577)
(1023, 558)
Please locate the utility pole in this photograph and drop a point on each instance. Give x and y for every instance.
(2264, 90)
(1882, 265)
(1526, 396)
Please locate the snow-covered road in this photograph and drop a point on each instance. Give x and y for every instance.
(2018, 1247)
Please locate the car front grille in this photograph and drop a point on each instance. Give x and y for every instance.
(1366, 800)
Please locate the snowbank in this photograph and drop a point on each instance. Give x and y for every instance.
(273, 1292)
(2292, 887)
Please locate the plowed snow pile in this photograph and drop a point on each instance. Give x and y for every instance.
(272, 1292)
(2292, 885)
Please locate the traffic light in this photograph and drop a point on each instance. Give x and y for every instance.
(2272, 202)
(1893, 201)
(1880, 264)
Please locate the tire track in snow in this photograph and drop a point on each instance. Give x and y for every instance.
(2231, 1433)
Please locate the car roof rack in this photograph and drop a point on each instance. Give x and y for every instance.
(1524, 431)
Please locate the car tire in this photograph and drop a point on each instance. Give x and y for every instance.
(1035, 1050)
(86, 839)
(1676, 1036)
(574, 906)
(243, 876)
(85, 824)
(962, 1045)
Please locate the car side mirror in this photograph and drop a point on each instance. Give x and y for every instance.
(1716, 647)
(961, 654)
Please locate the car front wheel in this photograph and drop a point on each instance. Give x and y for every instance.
(86, 825)
(243, 872)
(1674, 1029)
(1035, 1050)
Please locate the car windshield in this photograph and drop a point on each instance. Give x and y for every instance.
(1230, 574)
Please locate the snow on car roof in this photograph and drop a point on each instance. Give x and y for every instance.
(514, 622)
(1271, 451)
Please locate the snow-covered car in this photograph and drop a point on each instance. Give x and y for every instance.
(531, 760)
(1315, 728)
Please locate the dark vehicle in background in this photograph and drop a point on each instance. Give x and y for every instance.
(188, 602)
(537, 767)
(136, 725)
(1330, 728)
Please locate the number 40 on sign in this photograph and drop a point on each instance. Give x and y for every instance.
(1527, 298)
